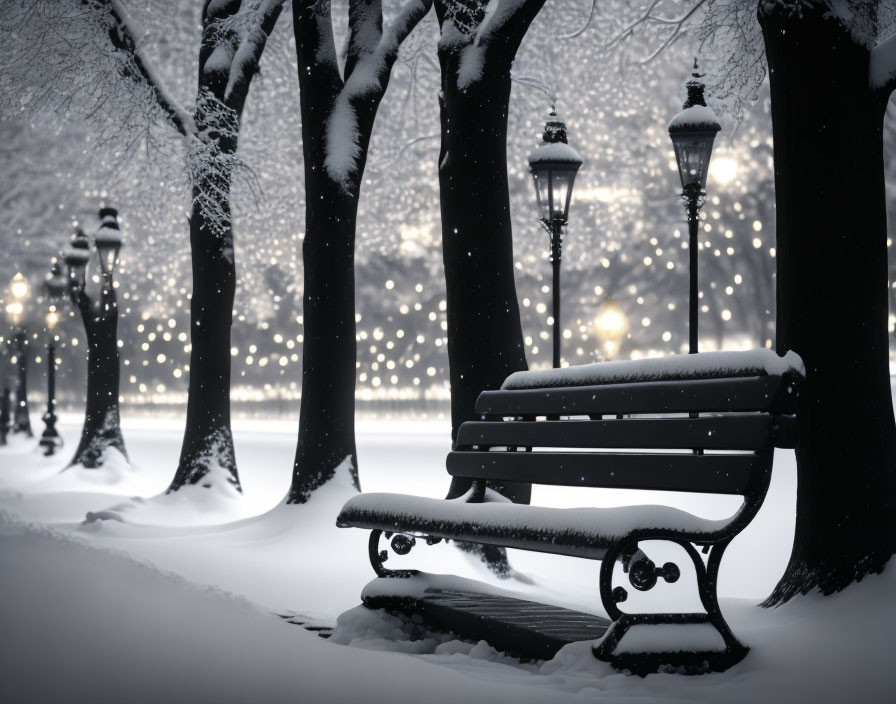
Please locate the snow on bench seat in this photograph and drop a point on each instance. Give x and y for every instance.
(577, 532)
(706, 365)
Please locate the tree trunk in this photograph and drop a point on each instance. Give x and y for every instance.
(832, 296)
(102, 427)
(208, 440)
(485, 337)
(327, 415)
(327, 420)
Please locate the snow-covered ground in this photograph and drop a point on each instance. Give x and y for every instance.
(173, 599)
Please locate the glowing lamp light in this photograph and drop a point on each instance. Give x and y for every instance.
(52, 318)
(14, 311)
(19, 286)
(611, 325)
(723, 170)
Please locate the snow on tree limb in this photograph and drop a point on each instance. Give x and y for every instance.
(471, 27)
(245, 60)
(124, 36)
(371, 55)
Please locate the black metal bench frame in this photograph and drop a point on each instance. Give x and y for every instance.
(751, 415)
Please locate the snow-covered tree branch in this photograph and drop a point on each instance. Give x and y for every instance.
(124, 35)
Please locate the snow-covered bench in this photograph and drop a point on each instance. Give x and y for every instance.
(705, 423)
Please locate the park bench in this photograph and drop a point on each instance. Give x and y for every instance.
(704, 423)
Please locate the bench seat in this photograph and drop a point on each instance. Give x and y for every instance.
(576, 532)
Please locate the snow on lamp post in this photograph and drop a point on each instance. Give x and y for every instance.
(102, 428)
(692, 132)
(554, 165)
(56, 285)
(611, 327)
(19, 289)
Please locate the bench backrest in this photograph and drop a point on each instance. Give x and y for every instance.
(712, 435)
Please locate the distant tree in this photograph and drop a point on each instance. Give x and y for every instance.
(338, 113)
(57, 64)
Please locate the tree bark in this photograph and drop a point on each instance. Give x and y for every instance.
(208, 440)
(832, 296)
(102, 428)
(327, 421)
(485, 337)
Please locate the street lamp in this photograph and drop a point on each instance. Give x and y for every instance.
(611, 327)
(692, 132)
(56, 285)
(554, 165)
(5, 425)
(19, 289)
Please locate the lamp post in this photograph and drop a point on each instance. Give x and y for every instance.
(56, 287)
(554, 165)
(4, 400)
(19, 289)
(102, 428)
(692, 132)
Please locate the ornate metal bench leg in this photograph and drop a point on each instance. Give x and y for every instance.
(401, 544)
(708, 588)
(643, 577)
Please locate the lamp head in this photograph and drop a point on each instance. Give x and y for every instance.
(693, 131)
(76, 257)
(56, 283)
(554, 165)
(108, 240)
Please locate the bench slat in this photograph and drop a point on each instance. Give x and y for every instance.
(713, 474)
(704, 395)
(731, 432)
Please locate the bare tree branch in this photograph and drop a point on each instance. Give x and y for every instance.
(123, 35)
(585, 26)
